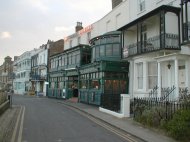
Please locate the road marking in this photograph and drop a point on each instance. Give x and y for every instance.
(21, 126)
(16, 125)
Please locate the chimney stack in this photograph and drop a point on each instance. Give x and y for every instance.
(78, 26)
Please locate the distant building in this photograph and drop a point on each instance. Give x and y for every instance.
(54, 48)
(6, 70)
(22, 69)
(38, 75)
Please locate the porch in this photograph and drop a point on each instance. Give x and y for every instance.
(153, 44)
(155, 31)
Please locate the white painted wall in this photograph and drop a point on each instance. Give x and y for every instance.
(23, 65)
(171, 23)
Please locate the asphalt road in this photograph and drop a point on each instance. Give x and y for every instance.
(46, 120)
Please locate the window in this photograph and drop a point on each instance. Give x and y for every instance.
(152, 75)
(56, 63)
(116, 50)
(88, 36)
(44, 59)
(141, 5)
(116, 39)
(97, 52)
(144, 37)
(73, 61)
(140, 75)
(60, 61)
(109, 50)
(71, 42)
(63, 61)
(109, 40)
(70, 59)
(102, 50)
(102, 40)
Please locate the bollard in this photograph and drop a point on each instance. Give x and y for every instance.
(10, 100)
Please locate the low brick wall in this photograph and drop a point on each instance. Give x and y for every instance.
(3, 97)
(4, 102)
(4, 107)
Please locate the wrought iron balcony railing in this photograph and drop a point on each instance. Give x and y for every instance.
(38, 77)
(168, 41)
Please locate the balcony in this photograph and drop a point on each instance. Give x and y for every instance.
(37, 77)
(164, 42)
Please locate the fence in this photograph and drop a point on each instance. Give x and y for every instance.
(169, 108)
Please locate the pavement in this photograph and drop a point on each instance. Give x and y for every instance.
(126, 124)
(7, 123)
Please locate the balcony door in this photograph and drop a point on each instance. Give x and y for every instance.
(143, 37)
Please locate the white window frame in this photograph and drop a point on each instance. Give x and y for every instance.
(151, 76)
(139, 75)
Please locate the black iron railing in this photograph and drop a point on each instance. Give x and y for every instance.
(154, 92)
(184, 95)
(37, 77)
(169, 108)
(167, 94)
(153, 44)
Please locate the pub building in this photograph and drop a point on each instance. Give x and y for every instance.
(63, 73)
(102, 81)
(94, 74)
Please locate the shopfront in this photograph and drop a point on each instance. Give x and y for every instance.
(103, 80)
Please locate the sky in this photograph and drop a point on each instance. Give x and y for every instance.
(27, 24)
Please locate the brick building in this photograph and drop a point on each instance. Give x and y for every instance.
(6, 70)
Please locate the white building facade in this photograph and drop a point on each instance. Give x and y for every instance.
(38, 76)
(159, 63)
(22, 68)
(152, 43)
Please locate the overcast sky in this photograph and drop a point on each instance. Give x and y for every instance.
(27, 24)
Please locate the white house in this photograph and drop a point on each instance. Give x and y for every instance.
(22, 70)
(39, 65)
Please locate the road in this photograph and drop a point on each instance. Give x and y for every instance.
(46, 120)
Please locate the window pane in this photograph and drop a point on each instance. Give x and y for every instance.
(109, 40)
(140, 75)
(95, 84)
(97, 52)
(97, 42)
(93, 54)
(77, 58)
(152, 75)
(109, 50)
(102, 50)
(73, 58)
(103, 40)
(116, 39)
(116, 49)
